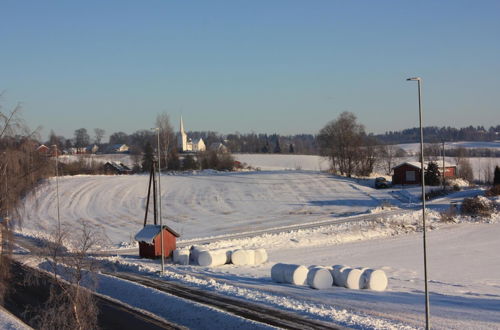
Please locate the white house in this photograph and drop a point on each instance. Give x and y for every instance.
(119, 148)
(219, 147)
(186, 144)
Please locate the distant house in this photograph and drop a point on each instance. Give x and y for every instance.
(186, 144)
(46, 151)
(410, 172)
(92, 149)
(43, 149)
(150, 241)
(118, 148)
(219, 147)
(77, 151)
(116, 168)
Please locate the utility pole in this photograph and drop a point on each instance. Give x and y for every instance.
(57, 188)
(444, 169)
(159, 202)
(427, 305)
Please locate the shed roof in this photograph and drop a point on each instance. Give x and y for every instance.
(149, 232)
(119, 166)
(417, 164)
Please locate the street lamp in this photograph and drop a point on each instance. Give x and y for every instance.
(56, 153)
(159, 200)
(427, 311)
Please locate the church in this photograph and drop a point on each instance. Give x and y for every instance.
(186, 144)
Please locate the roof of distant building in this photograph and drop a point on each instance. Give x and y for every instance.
(149, 232)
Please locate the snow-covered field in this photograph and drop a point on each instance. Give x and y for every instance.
(202, 203)
(413, 148)
(463, 269)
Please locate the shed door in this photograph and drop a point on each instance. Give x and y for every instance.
(410, 175)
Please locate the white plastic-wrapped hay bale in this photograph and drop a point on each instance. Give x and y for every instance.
(353, 278)
(319, 277)
(288, 273)
(243, 257)
(374, 279)
(338, 276)
(181, 257)
(213, 257)
(194, 254)
(260, 256)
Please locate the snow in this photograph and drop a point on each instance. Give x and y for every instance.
(463, 269)
(10, 322)
(200, 204)
(414, 148)
(147, 234)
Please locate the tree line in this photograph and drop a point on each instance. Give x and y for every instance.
(433, 134)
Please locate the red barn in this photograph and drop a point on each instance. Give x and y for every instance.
(410, 173)
(150, 241)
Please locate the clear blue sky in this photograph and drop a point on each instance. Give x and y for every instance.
(262, 65)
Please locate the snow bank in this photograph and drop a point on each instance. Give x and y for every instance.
(289, 273)
(319, 277)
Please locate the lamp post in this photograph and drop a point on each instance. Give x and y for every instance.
(444, 170)
(56, 153)
(159, 201)
(427, 311)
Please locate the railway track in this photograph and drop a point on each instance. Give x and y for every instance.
(242, 308)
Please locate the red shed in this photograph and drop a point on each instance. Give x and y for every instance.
(410, 173)
(150, 241)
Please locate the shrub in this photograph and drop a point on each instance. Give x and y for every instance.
(190, 163)
(448, 215)
(435, 193)
(477, 206)
(493, 191)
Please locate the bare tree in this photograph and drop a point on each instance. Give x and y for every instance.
(82, 138)
(388, 157)
(21, 168)
(465, 170)
(167, 136)
(341, 141)
(99, 134)
(71, 304)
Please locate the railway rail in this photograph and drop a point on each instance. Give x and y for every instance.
(242, 308)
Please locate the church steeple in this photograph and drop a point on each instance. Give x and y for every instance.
(182, 137)
(182, 126)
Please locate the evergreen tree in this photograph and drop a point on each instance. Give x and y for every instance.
(190, 163)
(277, 148)
(173, 161)
(496, 178)
(290, 149)
(147, 158)
(431, 175)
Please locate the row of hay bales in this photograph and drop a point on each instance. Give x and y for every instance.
(321, 277)
(203, 257)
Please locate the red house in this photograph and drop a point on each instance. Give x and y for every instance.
(410, 172)
(150, 241)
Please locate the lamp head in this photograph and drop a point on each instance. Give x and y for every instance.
(414, 79)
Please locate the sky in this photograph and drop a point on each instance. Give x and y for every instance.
(264, 66)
